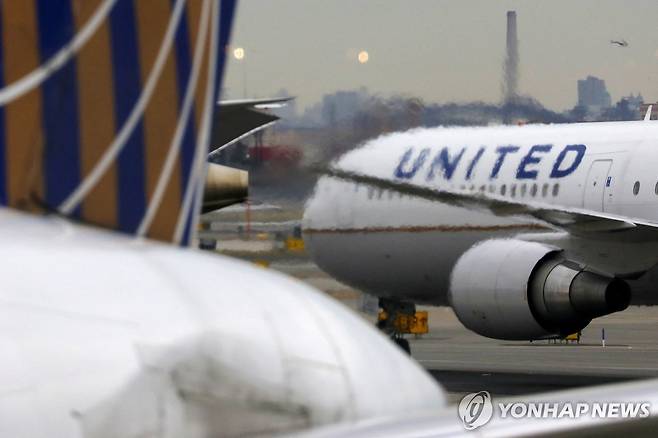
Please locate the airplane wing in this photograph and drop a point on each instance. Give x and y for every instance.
(236, 119)
(573, 220)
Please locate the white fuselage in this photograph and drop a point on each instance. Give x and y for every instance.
(406, 247)
(107, 336)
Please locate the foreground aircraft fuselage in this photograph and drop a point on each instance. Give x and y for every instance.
(106, 336)
(403, 247)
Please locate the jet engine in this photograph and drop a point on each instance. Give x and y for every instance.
(518, 290)
(224, 186)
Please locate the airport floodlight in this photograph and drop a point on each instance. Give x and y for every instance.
(363, 57)
(238, 53)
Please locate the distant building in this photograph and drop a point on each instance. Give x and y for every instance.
(593, 95)
(634, 102)
(343, 105)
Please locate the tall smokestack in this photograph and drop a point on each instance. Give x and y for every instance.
(511, 67)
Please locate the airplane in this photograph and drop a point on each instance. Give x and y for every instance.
(111, 324)
(527, 232)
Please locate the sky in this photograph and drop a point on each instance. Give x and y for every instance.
(442, 51)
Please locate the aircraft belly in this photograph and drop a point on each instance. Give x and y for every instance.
(412, 265)
(395, 247)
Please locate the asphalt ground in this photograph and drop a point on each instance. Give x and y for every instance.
(465, 362)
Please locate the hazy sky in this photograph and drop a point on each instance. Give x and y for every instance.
(443, 50)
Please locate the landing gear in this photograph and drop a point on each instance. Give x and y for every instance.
(392, 317)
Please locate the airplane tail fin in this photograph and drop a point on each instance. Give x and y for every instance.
(106, 109)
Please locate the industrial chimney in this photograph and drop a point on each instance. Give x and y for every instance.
(511, 67)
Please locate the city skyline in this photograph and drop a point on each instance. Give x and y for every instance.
(442, 51)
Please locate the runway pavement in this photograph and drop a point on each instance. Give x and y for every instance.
(465, 362)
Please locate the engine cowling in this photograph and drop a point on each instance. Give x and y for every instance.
(518, 290)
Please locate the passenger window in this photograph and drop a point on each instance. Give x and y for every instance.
(524, 188)
(656, 189)
(556, 189)
(533, 190)
(512, 190)
(636, 188)
(503, 189)
(544, 190)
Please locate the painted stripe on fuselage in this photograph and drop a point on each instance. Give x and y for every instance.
(127, 88)
(23, 122)
(193, 17)
(161, 114)
(183, 43)
(3, 161)
(97, 121)
(61, 155)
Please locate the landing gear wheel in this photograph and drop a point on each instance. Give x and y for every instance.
(403, 344)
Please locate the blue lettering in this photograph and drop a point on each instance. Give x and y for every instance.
(522, 172)
(401, 172)
(474, 161)
(502, 152)
(448, 166)
(579, 149)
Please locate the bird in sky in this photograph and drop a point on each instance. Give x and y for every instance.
(620, 43)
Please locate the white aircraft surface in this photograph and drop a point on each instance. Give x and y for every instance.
(527, 232)
(106, 332)
(103, 335)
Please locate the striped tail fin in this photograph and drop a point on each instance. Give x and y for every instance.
(106, 108)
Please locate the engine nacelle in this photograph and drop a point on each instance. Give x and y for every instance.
(518, 290)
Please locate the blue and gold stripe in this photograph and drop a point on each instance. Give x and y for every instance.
(161, 115)
(98, 126)
(54, 137)
(127, 88)
(183, 72)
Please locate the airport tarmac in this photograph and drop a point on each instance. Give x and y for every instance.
(463, 361)
(466, 362)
